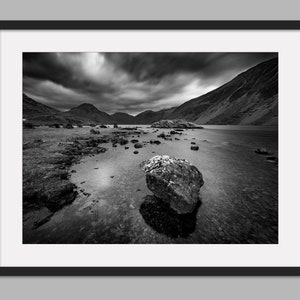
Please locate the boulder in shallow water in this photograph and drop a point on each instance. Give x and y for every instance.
(175, 181)
(176, 123)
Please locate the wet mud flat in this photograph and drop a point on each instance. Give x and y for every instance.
(112, 204)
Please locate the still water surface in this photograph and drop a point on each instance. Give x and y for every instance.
(239, 199)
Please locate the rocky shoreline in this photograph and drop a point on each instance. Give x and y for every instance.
(46, 183)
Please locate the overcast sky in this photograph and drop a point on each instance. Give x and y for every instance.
(129, 82)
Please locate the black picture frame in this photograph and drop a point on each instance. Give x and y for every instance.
(150, 25)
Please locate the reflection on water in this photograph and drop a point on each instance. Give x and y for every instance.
(239, 197)
(165, 220)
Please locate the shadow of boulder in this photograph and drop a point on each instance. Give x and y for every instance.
(165, 220)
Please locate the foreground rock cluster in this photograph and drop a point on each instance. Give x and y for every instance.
(175, 181)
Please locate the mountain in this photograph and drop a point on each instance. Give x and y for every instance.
(150, 116)
(249, 98)
(122, 118)
(90, 113)
(32, 108)
(41, 114)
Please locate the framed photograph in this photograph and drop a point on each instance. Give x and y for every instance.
(149, 147)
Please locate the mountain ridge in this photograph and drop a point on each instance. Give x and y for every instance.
(250, 98)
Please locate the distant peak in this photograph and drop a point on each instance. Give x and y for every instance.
(86, 105)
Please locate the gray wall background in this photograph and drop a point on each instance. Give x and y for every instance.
(154, 287)
(149, 9)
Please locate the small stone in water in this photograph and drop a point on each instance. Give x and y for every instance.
(195, 148)
(138, 145)
(261, 151)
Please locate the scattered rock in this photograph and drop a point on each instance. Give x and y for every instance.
(94, 131)
(126, 148)
(162, 135)
(157, 142)
(135, 152)
(112, 176)
(54, 125)
(134, 141)
(193, 143)
(119, 140)
(73, 171)
(195, 148)
(123, 141)
(262, 151)
(175, 181)
(138, 145)
(69, 126)
(130, 128)
(114, 145)
(272, 159)
(174, 132)
(177, 139)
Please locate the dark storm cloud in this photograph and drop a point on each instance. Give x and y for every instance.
(145, 66)
(129, 82)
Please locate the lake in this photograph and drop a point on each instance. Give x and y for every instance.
(239, 198)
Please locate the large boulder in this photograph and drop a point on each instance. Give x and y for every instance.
(177, 123)
(175, 181)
